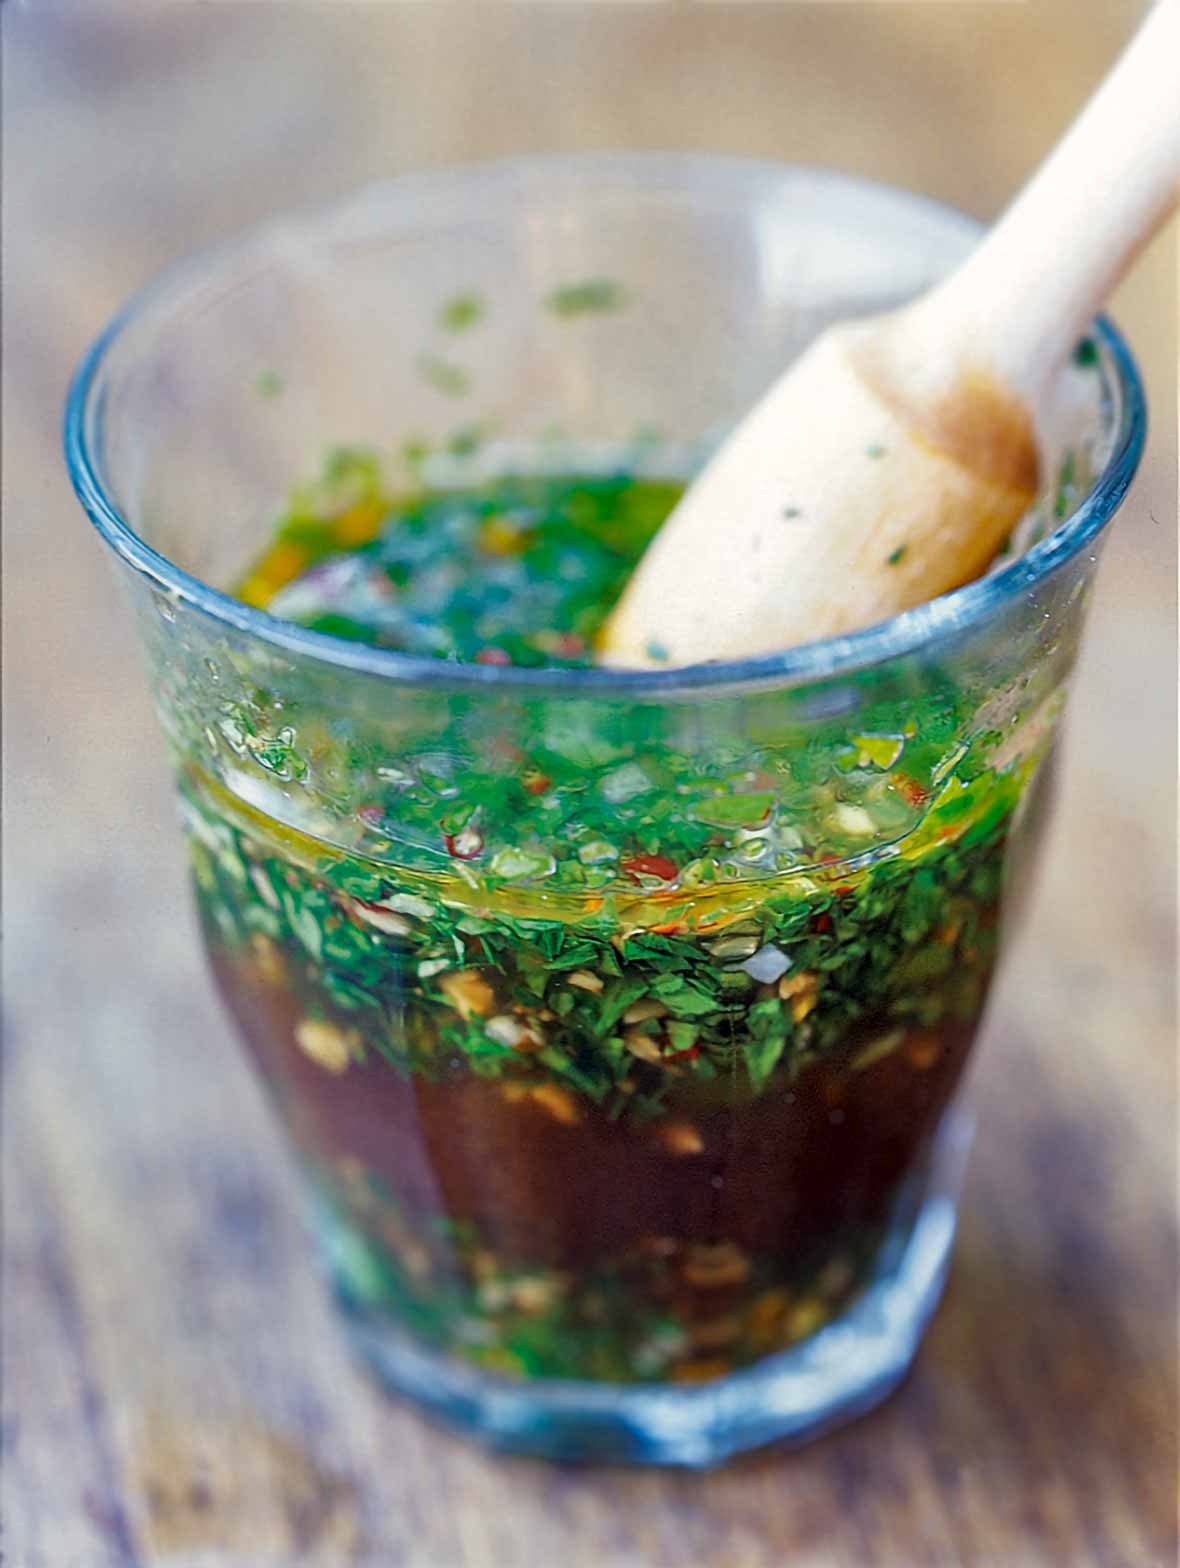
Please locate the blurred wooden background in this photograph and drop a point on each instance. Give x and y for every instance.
(175, 1391)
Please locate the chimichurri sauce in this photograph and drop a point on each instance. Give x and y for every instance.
(637, 1096)
(522, 571)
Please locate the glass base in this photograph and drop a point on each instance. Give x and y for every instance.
(839, 1373)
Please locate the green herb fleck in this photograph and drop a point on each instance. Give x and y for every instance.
(1066, 480)
(895, 557)
(460, 312)
(450, 379)
(876, 450)
(465, 442)
(881, 750)
(1085, 356)
(590, 297)
(414, 451)
(268, 383)
(735, 810)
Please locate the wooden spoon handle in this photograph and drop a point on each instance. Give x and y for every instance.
(890, 461)
(1027, 293)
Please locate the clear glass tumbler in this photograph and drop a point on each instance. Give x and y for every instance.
(616, 1019)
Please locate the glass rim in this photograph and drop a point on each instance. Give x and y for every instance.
(905, 633)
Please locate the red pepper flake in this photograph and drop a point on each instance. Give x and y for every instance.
(371, 814)
(464, 845)
(690, 1054)
(828, 859)
(822, 922)
(569, 646)
(651, 866)
(493, 656)
(670, 928)
(911, 791)
(536, 782)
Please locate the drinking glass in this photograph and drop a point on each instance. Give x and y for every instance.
(616, 1019)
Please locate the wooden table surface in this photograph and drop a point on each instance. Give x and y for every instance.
(176, 1391)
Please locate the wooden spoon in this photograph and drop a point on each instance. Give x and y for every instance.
(896, 454)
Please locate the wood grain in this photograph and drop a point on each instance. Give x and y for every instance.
(175, 1389)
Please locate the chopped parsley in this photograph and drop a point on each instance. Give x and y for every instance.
(444, 376)
(590, 297)
(1085, 356)
(461, 312)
